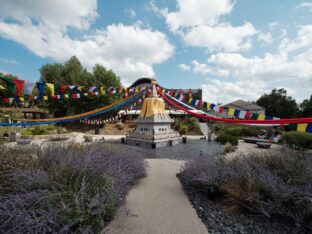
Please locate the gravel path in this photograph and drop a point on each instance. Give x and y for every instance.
(157, 204)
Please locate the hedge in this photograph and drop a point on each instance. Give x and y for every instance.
(298, 139)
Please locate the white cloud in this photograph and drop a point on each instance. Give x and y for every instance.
(265, 37)
(184, 67)
(9, 61)
(55, 14)
(302, 41)
(129, 50)
(305, 5)
(214, 39)
(192, 13)
(249, 77)
(225, 91)
(201, 68)
(273, 25)
(131, 13)
(200, 24)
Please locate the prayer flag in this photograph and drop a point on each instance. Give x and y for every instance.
(231, 111)
(9, 83)
(242, 115)
(261, 117)
(63, 88)
(28, 87)
(19, 85)
(302, 127)
(309, 128)
(248, 115)
(190, 100)
(50, 87)
(41, 88)
(45, 98)
(236, 113)
(254, 116)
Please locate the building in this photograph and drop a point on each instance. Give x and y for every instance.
(245, 106)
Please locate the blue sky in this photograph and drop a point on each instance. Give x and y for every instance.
(230, 49)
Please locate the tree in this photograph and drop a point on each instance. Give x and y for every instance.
(104, 77)
(52, 73)
(278, 104)
(306, 107)
(73, 73)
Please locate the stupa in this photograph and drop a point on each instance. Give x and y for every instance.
(154, 124)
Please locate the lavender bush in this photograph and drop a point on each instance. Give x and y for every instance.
(271, 183)
(64, 189)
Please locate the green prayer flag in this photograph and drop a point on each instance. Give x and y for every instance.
(254, 116)
(9, 83)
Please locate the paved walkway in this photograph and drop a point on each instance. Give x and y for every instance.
(157, 205)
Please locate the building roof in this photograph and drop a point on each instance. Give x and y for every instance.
(241, 104)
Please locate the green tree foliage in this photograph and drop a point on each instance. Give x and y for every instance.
(73, 73)
(306, 107)
(278, 104)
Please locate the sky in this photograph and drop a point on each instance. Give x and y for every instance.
(230, 49)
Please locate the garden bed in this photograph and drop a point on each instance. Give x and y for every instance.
(63, 189)
(256, 192)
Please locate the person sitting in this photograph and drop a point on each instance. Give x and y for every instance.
(263, 135)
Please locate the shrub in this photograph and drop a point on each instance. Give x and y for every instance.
(65, 189)
(132, 125)
(270, 183)
(39, 130)
(228, 148)
(298, 139)
(234, 131)
(242, 131)
(224, 138)
(88, 138)
(120, 126)
(183, 129)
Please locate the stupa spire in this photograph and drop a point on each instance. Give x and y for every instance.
(154, 90)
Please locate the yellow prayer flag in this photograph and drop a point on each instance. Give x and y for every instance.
(137, 90)
(50, 88)
(190, 100)
(231, 111)
(261, 117)
(80, 88)
(45, 98)
(85, 94)
(1, 87)
(66, 96)
(102, 90)
(21, 99)
(302, 127)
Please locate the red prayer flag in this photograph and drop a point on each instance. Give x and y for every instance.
(19, 85)
(248, 114)
(201, 103)
(221, 109)
(63, 88)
